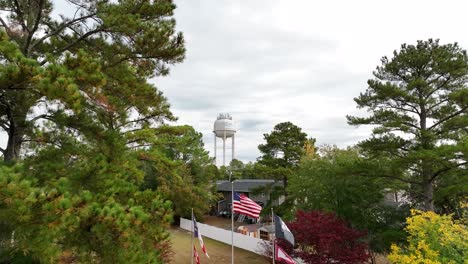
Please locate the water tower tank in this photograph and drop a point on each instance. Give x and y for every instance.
(224, 126)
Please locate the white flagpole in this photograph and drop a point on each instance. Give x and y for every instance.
(232, 222)
(191, 248)
(274, 233)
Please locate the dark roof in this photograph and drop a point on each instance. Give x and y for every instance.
(245, 185)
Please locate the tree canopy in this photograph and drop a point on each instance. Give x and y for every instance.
(96, 60)
(331, 182)
(418, 105)
(93, 172)
(281, 154)
(284, 146)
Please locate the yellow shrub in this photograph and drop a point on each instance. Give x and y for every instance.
(432, 239)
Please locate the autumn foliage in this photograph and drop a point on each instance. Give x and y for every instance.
(323, 238)
(432, 239)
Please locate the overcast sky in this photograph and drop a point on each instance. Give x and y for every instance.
(267, 61)
(271, 61)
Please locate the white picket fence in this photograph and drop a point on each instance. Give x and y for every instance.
(241, 241)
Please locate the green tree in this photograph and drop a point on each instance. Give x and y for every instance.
(331, 182)
(83, 202)
(281, 154)
(180, 168)
(76, 102)
(451, 191)
(284, 146)
(235, 170)
(418, 102)
(44, 66)
(283, 149)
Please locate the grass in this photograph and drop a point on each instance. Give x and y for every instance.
(218, 251)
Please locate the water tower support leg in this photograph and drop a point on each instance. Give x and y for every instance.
(233, 144)
(224, 149)
(214, 148)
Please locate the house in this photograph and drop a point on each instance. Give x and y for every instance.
(246, 187)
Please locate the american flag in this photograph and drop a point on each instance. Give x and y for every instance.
(243, 205)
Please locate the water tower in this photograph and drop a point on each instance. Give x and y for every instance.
(224, 129)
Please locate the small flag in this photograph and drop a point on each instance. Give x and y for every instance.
(282, 255)
(197, 234)
(244, 205)
(195, 255)
(282, 230)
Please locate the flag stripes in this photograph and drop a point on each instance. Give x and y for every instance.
(195, 255)
(197, 234)
(244, 205)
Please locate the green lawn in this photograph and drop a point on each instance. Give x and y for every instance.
(219, 252)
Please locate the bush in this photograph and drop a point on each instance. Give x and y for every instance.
(432, 238)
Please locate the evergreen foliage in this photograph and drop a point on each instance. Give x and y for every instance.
(87, 134)
(418, 103)
(281, 154)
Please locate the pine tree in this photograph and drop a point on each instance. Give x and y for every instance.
(418, 103)
(75, 101)
(133, 40)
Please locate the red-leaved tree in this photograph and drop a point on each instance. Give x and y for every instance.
(323, 238)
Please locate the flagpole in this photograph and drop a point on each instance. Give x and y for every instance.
(232, 222)
(191, 248)
(274, 233)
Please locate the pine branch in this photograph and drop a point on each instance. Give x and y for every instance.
(26, 48)
(391, 177)
(4, 125)
(60, 28)
(44, 116)
(4, 24)
(404, 103)
(20, 15)
(448, 117)
(135, 141)
(394, 107)
(415, 170)
(438, 87)
(143, 119)
(437, 104)
(445, 170)
(89, 33)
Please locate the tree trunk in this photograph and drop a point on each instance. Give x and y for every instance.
(427, 144)
(285, 183)
(428, 195)
(15, 139)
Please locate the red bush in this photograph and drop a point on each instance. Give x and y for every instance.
(324, 238)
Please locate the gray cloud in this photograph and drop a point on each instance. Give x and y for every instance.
(270, 61)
